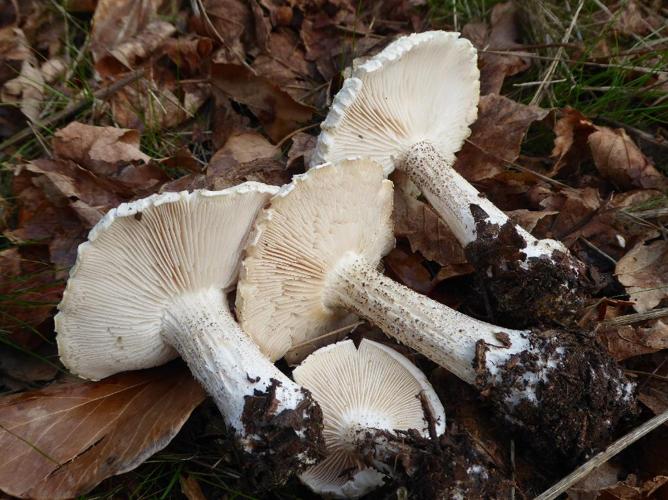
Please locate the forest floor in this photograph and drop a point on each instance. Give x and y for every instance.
(112, 100)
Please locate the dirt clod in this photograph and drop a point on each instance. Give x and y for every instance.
(450, 466)
(278, 451)
(564, 395)
(547, 290)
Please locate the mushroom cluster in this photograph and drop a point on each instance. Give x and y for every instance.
(151, 284)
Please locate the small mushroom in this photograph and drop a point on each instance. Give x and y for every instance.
(314, 258)
(363, 391)
(410, 107)
(149, 285)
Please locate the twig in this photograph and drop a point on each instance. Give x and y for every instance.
(74, 108)
(629, 319)
(603, 457)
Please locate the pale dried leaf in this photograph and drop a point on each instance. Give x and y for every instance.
(132, 51)
(116, 21)
(629, 340)
(100, 149)
(26, 90)
(618, 158)
(61, 441)
(644, 273)
(496, 137)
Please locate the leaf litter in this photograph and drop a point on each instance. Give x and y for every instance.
(233, 90)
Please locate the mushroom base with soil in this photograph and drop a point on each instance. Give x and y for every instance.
(278, 423)
(450, 466)
(564, 394)
(525, 278)
(521, 289)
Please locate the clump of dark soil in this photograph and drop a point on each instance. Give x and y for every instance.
(564, 395)
(545, 291)
(450, 466)
(278, 450)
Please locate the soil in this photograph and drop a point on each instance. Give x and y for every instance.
(577, 405)
(450, 466)
(549, 290)
(278, 450)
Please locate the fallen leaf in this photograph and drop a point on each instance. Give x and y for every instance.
(633, 489)
(628, 340)
(496, 137)
(189, 53)
(618, 158)
(89, 196)
(26, 90)
(589, 488)
(635, 19)
(501, 36)
(116, 21)
(230, 21)
(302, 148)
(278, 112)
(246, 147)
(19, 370)
(149, 104)
(571, 130)
(644, 273)
(529, 219)
(61, 441)
(130, 53)
(424, 229)
(100, 149)
(191, 489)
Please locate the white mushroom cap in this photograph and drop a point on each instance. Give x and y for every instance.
(137, 259)
(310, 225)
(423, 86)
(372, 386)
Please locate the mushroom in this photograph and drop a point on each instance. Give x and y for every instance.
(149, 285)
(362, 391)
(410, 107)
(313, 259)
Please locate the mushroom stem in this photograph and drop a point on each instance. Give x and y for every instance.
(230, 366)
(442, 334)
(453, 197)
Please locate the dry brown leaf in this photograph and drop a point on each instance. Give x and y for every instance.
(636, 19)
(529, 219)
(131, 52)
(589, 488)
(230, 21)
(148, 104)
(634, 489)
(501, 36)
(424, 229)
(100, 149)
(89, 196)
(246, 147)
(61, 441)
(496, 137)
(116, 21)
(302, 148)
(279, 113)
(189, 53)
(628, 341)
(575, 208)
(618, 158)
(644, 273)
(19, 371)
(191, 489)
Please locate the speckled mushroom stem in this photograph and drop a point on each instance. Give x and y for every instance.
(444, 335)
(559, 388)
(526, 278)
(242, 381)
(453, 196)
